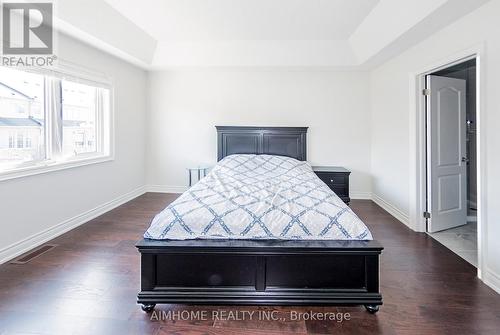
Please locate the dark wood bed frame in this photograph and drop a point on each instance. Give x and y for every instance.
(250, 272)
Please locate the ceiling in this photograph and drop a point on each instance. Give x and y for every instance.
(246, 19)
(346, 34)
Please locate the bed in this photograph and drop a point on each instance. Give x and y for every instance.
(239, 235)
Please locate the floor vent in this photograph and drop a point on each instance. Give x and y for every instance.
(33, 254)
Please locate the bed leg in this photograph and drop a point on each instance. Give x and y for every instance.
(148, 308)
(372, 308)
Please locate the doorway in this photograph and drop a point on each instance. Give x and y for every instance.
(451, 158)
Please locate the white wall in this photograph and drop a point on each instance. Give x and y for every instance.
(185, 107)
(251, 53)
(35, 205)
(392, 114)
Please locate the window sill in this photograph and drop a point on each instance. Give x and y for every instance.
(48, 166)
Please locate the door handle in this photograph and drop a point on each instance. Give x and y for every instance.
(465, 159)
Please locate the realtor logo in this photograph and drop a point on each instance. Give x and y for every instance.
(27, 28)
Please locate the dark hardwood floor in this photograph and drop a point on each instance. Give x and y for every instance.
(88, 285)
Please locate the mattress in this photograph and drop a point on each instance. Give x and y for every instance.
(258, 197)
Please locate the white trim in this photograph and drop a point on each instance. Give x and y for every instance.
(492, 279)
(417, 145)
(393, 210)
(47, 166)
(68, 70)
(359, 195)
(471, 218)
(182, 189)
(166, 189)
(20, 247)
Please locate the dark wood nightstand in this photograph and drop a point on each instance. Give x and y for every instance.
(337, 178)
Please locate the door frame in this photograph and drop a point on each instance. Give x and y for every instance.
(418, 180)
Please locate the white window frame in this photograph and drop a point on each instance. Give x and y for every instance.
(105, 133)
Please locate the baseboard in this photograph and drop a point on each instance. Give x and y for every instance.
(182, 189)
(471, 218)
(166, 189)
(19, 248)
(398, 214)
(394, 211)
(360, 195)
(492, 279)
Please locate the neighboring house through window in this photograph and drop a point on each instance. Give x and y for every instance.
(20, 141)
(78, 111)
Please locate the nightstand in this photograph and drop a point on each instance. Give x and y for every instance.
(337, 179)
(201, 171)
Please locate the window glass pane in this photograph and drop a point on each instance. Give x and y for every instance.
(22, 117)
(79, 116)
(20, 140)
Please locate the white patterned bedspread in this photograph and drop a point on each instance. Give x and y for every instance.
(258, 197)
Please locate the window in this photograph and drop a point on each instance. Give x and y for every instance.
(50, 120)
(21, 103)
(20, 141)
(20, 109)
(79, 118)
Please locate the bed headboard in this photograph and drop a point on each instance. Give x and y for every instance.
(282, 141)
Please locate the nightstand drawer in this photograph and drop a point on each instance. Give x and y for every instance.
(340, 190)
(336, 178)
(332, 178)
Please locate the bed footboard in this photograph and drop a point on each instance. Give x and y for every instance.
(272, 272)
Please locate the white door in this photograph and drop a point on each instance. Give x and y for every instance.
(446, 153)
